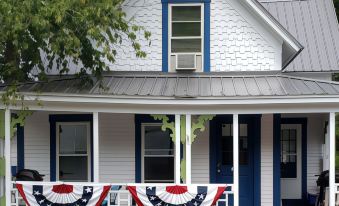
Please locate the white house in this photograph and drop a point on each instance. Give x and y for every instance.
(256, 73)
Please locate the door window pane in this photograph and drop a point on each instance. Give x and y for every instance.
(158, 155)
(227, 144)
(288, 165)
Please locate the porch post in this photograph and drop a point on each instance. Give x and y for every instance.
(8, 175)
(332, 160)
(236, 159)
(95, 146)
(188, 149)
(177, 149)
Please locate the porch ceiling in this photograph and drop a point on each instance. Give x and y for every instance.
(197, 86)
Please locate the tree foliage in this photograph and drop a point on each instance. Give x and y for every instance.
(336, 5)
(38, 36)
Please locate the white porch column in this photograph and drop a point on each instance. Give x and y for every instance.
(96, 146)
(177, 149)
(188, 150)
(332, 159)
(236, 159)
(8, 175)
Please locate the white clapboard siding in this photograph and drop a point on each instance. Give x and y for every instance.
(117, 147)
(315, 132)
(267, 160)
(37, 146)
(200, 157)
(14, 151)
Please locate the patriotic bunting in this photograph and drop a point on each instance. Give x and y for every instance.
(190, 195)
(38, 194)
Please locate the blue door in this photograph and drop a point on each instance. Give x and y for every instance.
(223, 131)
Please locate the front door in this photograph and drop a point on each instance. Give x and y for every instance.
(224, 140)
(291, 161)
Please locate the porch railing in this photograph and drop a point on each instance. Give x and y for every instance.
(120, 197)
(336, 194)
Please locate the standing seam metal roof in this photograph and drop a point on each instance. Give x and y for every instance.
(187, 86)
(314, 24)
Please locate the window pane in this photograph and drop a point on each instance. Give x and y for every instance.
(73, 169)
(243, 130)
(73, 139)
(186, 45)
(288, 170)
(186, 13)
(186, 29)
(227, 146)
(226, 130)
(157, 142)
(288, 163)
(159, 169)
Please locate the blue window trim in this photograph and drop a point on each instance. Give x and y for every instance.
(20, 147)
(303, 123)
(207, 27)
(53, 119)
(276, 159)
(139, 119)
(257, 152)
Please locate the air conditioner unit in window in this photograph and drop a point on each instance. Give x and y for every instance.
(182, 62)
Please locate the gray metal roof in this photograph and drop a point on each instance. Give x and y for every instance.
(314, 24)
(187, 86)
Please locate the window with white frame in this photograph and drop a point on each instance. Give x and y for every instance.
(157, 155)
(186, 36)
(73, 151)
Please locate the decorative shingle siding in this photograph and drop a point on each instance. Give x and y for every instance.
(145, 13)
(235, 44)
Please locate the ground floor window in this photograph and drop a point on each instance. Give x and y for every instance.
(157, 154)
(73, 151)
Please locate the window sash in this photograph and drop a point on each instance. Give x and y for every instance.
(171, 37)
(87, 155)
(144, 155)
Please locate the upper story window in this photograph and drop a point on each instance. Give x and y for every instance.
(186, 40)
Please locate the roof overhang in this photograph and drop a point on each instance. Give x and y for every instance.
(291, 47)
(268, 105)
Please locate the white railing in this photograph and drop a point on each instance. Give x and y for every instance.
(118, 197)
(336, 194)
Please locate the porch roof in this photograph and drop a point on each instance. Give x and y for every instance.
(186, 86)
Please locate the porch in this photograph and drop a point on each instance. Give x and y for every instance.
(240, 146)
(124, 147)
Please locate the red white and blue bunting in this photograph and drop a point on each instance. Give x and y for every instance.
(40, 194)
(178, 195)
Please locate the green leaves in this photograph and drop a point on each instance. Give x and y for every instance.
(40, 35)
(336, 5)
